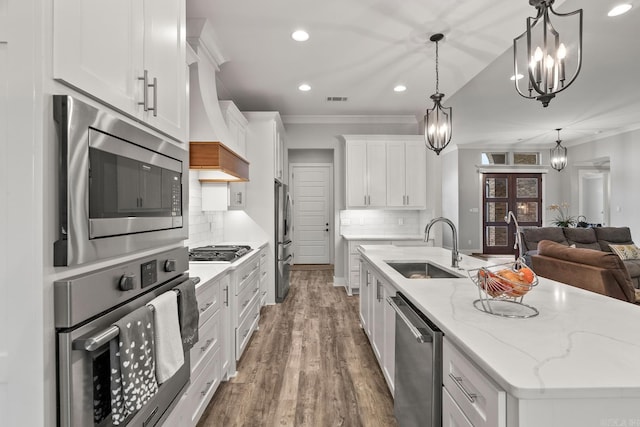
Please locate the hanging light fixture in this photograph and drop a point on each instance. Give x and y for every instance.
(546, 57)
(437, 121)
(558, 155)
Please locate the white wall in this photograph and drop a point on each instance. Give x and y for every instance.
(327, 136)
(623, 151)
(207, 227)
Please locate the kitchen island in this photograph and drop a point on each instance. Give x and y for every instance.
(577, 363)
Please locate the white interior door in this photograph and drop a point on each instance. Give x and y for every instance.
(312, 194)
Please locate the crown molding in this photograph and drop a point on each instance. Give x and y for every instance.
(349, 119)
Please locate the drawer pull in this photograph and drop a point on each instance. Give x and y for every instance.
(245, 334)
(256, 290)
(207, 388)
(256, 316)
(244, 277)
(206, 345)
(203, 309)
(458, 381)
(244, 304)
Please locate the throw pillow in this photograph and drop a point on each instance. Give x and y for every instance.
(626, 252)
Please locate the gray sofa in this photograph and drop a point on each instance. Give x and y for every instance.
(598, 238)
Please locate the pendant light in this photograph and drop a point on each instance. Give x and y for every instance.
(552, 62)
(558, 155)
(437, 121)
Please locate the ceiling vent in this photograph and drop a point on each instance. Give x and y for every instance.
(337, 99)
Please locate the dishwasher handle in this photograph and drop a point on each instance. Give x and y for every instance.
(420, 337)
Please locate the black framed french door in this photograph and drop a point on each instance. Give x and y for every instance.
(520, 193)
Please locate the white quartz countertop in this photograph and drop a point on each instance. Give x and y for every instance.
(210, 270)
(581, 345)
(382, 237)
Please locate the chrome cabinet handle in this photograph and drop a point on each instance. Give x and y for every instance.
(203, 309)
(244, 304)
(245, 333)
(206, 345)
(256, 316)
(458, 381)
(226, 296)
(145, 95)
(155, 97)
(407, 199)
(207, 388)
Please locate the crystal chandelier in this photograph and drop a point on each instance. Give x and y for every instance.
(542, 57)
(437, 121)
(558, 155)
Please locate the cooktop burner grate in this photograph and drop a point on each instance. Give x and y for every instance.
(219, 253)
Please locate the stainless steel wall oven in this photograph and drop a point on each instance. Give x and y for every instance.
(121, 189)
(86, 307)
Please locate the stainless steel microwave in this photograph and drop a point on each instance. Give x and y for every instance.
(121, 189)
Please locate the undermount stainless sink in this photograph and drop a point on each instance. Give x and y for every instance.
(422, 270)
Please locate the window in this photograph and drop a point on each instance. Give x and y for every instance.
(494, 158)
(526, 158)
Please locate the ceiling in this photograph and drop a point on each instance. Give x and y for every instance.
(360, 49)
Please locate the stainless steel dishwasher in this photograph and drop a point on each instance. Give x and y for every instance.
(418, 367)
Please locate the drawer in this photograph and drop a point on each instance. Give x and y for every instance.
(246, 274)
(479, 398)
(202, 388)
(209, 297)
(452, 415)
(208, 343)
(263, 259)
(246, 328)
(246, 297)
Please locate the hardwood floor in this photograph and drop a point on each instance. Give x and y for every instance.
(309, 364)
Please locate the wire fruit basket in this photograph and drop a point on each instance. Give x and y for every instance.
(502, 288)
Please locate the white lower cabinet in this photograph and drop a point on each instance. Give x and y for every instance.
(353, 263)
(477, 396)
(209, 356)
(246, 306)
(264, 276)
(379, 321)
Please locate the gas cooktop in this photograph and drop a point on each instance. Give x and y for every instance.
(218, 253)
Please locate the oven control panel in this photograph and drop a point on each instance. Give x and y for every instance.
(149, 273)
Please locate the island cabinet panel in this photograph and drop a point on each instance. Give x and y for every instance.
(365, 305)
(130, 55)
(477, 396)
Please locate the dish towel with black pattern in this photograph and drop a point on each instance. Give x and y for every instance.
(168, 343)
(133, 370)
(188, 313)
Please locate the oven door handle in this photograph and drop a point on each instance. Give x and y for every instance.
(96, 341)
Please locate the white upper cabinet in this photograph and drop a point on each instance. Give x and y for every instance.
(385, 171)
(366, 174)
(105, 49)
(406, 174)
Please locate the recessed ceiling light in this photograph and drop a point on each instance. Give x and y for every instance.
(517, 77)
(619, 9)
(400, 88)
(300, 36)
(304, 87)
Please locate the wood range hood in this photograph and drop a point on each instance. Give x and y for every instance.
(223, 163)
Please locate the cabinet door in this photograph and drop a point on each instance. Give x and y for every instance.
(356, 174)
(97, 48)
(164, 58)
(378, 320)
(364, 297)
(396, 173)
(226, 346)
(415, 167)
(377, 173)
(452, 416)
(389, 348)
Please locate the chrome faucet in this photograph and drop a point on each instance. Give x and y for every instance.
(455, 257)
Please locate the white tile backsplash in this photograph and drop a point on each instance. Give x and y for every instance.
(381, 222)
(205, 227)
